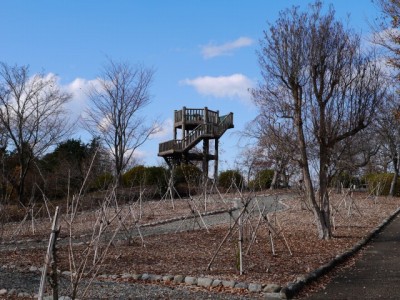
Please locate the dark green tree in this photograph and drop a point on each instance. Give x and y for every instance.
(65, 167)
(262, 180)
(230, 178)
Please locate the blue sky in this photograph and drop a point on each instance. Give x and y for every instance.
(203, 52)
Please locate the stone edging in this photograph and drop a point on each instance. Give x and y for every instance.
(269, 290)
(293, 288)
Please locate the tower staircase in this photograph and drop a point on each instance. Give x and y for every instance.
(196, 125)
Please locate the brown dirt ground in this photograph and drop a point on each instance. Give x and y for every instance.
(189, 253)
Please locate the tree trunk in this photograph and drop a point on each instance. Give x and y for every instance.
(393, 184)
(321, 216)
(308, 186)
(21, 188)
(21, 185)
(118, 169)
(274, 180)
(324, 230)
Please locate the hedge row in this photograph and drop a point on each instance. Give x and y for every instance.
(379, 184)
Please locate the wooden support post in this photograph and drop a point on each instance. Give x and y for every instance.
(183, 124)
(206, 144)
(216, 160)
(175, 133)
(171, 187)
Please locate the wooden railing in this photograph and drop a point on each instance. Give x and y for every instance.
(193, 115)
(216, 128)
(212, 117)
(178, 116)
(189, 141)
(225, 123)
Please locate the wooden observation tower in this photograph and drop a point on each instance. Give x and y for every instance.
(192, 126)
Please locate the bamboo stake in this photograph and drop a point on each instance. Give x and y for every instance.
(240, 242)
(224, 239)
(272, 242)
(52, 240)
(284, 238)
(254, 234)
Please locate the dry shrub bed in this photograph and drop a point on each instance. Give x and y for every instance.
(135, 213)
(189, 253)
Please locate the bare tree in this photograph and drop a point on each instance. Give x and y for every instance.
(32, 115)
(354, 153)
(388, 129)
(248, 160)
(114, 114)
(272, 150)
(387, 31)
(316, 80)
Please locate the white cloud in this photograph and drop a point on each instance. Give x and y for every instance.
(210, 50)
(384, 38)
(104, 124)
(78, 88)
(138, 154)
(233, 86)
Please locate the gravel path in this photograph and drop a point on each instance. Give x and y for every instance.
(271, 203)
(25, 283)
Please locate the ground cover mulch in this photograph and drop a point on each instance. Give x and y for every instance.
(282, 250)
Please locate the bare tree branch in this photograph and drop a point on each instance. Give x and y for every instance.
(32, 115)
(319, 88)
(114, 115)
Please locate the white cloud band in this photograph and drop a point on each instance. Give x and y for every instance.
(210, 51)
(233, 86)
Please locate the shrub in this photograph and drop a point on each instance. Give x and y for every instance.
(102, 182)
(225, 179)
(187, 179)
(134, 177)
(382, 179)
(187, 174)
(157, 177)
(11, 213)
(262, 180)
(154, 177)
(345, 179)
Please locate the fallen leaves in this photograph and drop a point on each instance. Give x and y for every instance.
(189, 253)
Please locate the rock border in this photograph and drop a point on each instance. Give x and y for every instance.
(272, 290)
